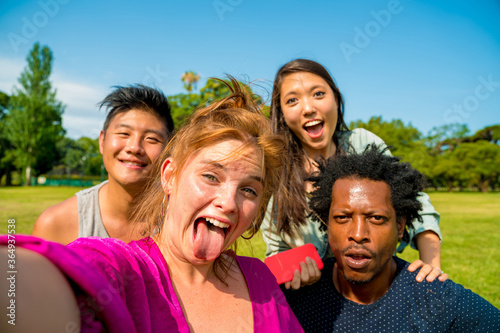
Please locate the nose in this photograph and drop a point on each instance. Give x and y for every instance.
(225, 200)
(308, 108)
(134, 146)
(358, 231)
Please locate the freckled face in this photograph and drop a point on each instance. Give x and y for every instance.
(310, 110)
(362, 231)
(212, 201)
(133, 140)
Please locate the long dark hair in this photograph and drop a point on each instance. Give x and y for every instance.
(292, 205)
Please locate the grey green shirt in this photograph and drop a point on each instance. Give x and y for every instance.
(89, 213)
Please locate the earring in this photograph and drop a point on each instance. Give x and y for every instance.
(159, 222)
(163, 209)
(162, 206)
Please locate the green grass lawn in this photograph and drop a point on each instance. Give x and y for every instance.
(469, 223)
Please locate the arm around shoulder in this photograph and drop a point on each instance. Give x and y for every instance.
(59, 223)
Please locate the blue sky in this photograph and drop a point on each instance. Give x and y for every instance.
(428, 63)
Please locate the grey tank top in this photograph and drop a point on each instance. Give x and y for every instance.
(89, 213)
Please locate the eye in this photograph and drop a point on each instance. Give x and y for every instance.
(291, 100)
(377, 219)
(341, 218)
(319, 94)
(210, 177)
(153, 140)
(250, 191)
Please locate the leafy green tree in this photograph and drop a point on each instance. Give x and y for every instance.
(395, 133)
(80, 156)
(189, 80)
(92, 159)
(184, 104)
(490, 133)
(33, 124)
(479, 163)
(4, 103)
(447, 171)
(7, 157)
(213, 90)
(442, 137)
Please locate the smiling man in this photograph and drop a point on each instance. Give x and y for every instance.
(366, 201)
(136, 129)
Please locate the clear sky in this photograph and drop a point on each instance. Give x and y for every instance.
(428, 63)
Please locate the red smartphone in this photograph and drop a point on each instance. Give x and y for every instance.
(284, 264)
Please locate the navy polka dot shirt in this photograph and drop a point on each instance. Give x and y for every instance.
(408, 306)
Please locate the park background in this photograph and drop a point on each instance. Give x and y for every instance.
(423, 75)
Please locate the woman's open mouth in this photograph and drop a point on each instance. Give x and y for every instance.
(314, 128)
(209, 235)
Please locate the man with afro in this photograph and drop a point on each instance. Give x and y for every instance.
(366, 201)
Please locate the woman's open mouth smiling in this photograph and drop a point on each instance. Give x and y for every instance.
(314, 128)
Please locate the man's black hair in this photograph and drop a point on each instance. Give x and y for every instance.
(373, 164)
(139, 97)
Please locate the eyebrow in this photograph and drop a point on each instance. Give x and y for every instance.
(147, 131)
(220, 166)
(322, 86)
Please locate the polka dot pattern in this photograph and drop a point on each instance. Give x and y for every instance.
(408, 306)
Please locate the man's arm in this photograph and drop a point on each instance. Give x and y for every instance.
(59, 223)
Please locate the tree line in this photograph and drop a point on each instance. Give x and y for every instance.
(33, 141)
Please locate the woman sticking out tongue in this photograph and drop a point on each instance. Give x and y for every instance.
(211, 184)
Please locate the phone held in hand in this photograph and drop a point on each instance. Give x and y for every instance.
(284, 264)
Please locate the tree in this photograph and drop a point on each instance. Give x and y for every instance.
(490, 133)
(33, 123)
(6, 156)
(183, 105)
(213, 90)
(447, 136)
(479, 163)
(79, 157)
(395, 133)
(189, 80)
(92, 159)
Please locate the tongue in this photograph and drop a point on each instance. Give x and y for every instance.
(208, 242)
(314, 130)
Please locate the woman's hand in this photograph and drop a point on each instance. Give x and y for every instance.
(429, 246)
(428, 272)
(309, 274)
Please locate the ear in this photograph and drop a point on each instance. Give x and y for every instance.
(401, 223)
(101, 142)
(167, 175)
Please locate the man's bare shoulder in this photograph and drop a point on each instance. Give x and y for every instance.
(59, 223)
